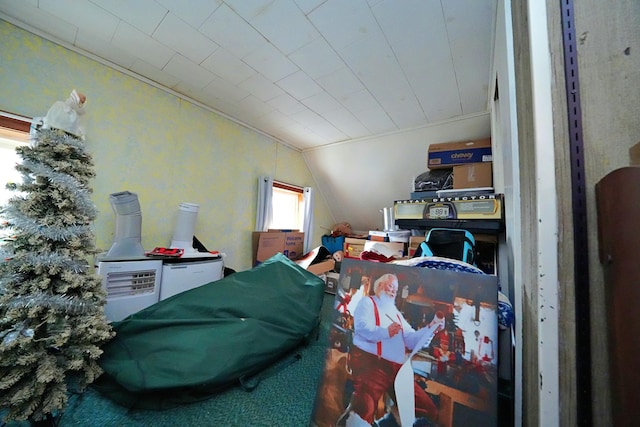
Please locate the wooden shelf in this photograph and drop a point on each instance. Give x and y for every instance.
(471, 225)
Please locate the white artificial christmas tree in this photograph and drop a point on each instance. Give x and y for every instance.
(52, 321)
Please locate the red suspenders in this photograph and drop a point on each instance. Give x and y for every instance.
(377, 315)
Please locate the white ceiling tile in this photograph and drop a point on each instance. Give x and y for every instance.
(274, 121)
(372, 60)
(340, 83)
(470, 36)
(415, 24)
(346, 122)
(385, 80)
(103, 49)
(327, 131)
(183, 38)
(11, 6)
(262, 88)
(306, 117)
(343, 22)
(84, 14)
(188, 90)
(226, 65)
(423, 29)
(179, 66)
(317, 58)
(305, 139)
(220, 88)
(287, 38)
(405, 113)
(439, 95)
(227, 108)
(254, 107)
(248, 9)
(270, 62)
(232, 32)
(286, 104)
(359, 101)
(145, 15)
(308, 6)
(299, 85)
(18, 9)
(137, 43)
(39, 19)
(301, 136)
(153, 73)
(321, 103)
(195, 13)
(378, 66)
(376, 120)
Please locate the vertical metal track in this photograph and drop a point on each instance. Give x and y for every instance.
(578, 199)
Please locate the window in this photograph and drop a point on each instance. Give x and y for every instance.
(288, 207)
(13, 133)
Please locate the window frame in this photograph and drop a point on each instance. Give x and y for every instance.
(14, 132)
(290, 189)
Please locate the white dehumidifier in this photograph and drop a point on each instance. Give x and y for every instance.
(181, 275)
(130, 286)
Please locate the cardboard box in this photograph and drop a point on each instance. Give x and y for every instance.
(378, 236)
(267, 244)
(414, 242)
(473, 175)
(449, 154)
(353, 247)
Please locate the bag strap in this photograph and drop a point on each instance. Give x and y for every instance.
(425, 250)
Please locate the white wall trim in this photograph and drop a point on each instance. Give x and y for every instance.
(547, 215)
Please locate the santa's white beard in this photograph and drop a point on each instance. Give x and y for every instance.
(387, 301)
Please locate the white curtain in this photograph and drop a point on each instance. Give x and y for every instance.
(307, 225)
(265, 203)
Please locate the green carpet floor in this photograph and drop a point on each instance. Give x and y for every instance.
(284, 397)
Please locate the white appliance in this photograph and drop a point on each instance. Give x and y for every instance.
(127, 240)
(182, 274)
(130, 286)
(184, 228)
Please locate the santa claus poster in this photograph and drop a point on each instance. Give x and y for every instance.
(411, 345)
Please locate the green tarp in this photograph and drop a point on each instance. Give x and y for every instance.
(197, 342)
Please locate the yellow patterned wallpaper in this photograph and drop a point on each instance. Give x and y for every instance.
(150, 142)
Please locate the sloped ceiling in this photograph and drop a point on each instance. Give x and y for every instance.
(310, 73)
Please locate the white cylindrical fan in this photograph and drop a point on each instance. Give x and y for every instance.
(185, 228)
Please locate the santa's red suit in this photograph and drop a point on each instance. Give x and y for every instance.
(376, 357)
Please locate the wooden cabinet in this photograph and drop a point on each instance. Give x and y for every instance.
(618, 207)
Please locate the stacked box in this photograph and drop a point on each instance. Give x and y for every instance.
(473, 175)
(353, 247)
(268, 243)
(414, 242)
(450, 154)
